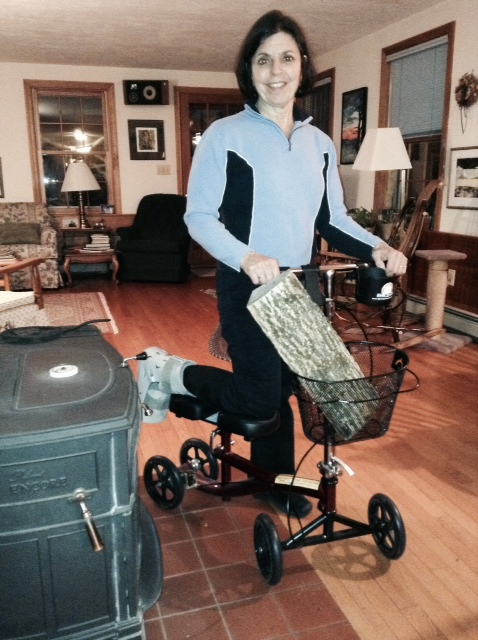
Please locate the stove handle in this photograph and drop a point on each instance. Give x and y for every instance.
(93, 534)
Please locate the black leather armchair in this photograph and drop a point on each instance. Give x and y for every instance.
(155, 248)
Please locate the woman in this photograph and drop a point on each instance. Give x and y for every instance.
(261, 183)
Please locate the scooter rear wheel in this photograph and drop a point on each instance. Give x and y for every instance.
(163, 482)
(192, 450)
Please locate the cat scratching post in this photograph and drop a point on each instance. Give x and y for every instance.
(437, 283)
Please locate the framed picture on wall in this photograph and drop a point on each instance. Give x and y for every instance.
(354, 119)
(146, 139)
(463, 184)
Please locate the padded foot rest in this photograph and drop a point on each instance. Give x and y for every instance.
(191, 408)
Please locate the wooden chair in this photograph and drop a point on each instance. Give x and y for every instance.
(408, 243)
(8, 268)
(392, 315)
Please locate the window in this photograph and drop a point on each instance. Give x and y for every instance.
(425, 159)
(415, 96)
(71, 121)
(417, 91)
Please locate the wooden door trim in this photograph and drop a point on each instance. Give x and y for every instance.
(183, 96)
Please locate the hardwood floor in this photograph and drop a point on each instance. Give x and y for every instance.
(427, 463)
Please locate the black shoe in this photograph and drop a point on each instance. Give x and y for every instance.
(293, 504)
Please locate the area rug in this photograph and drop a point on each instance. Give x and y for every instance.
(71, 309)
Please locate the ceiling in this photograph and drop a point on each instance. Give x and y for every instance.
(198, 35)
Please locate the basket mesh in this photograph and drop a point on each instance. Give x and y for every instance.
(357, 409)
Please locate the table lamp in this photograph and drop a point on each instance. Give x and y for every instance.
(79, 178)
(384, 150)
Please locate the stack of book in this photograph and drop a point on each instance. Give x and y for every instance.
(100, 242)
(7, 258)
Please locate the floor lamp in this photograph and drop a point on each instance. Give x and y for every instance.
(79, 178)
(384, 150)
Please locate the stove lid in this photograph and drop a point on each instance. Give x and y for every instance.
(75, 380)
(61, 376)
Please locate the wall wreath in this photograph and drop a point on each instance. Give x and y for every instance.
(466, 94)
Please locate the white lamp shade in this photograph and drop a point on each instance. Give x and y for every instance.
(382, 150)
(79, 178)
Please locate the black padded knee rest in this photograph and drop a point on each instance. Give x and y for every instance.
(191, 408)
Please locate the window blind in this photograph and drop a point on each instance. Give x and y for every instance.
(418, 88)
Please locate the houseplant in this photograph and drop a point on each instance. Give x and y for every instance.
(363, 217)
(386, 222)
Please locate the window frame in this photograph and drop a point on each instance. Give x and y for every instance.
(105, 90)
(328, 74)
(184, 97)
(381, 177)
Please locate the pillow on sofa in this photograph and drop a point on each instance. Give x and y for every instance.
(20, 233)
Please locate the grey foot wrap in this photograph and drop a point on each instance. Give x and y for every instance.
(160, 376)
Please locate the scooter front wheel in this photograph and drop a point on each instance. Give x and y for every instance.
(268, 549)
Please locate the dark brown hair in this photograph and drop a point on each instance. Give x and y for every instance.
(269, 24)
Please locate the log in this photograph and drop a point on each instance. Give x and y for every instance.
(311, 347)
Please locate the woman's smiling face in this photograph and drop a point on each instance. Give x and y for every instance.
(276, 71)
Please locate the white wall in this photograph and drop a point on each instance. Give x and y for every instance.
(358, 65)
(138, 177)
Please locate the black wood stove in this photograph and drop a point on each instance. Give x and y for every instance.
(79, 554)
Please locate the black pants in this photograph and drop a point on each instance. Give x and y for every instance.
(260, 383)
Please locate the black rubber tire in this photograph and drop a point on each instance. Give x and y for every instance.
(387, 526)
(163, 482)
(268, 549)
(209, 466)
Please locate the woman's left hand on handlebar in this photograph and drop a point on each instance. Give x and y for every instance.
(394, 262)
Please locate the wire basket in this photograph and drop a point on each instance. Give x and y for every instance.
(353, 410)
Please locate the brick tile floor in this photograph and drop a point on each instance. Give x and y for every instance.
(213, 587)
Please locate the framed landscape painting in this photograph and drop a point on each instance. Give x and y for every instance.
(354, 118)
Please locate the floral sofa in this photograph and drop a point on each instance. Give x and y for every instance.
(26, 231)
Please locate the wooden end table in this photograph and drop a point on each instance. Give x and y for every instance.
(76, 256)
(6, 268)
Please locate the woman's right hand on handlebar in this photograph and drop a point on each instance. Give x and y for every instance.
(259, 268)
(394, 262)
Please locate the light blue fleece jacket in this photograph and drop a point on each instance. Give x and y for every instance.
(253, 189)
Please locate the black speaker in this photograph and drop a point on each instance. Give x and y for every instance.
(146, 92)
